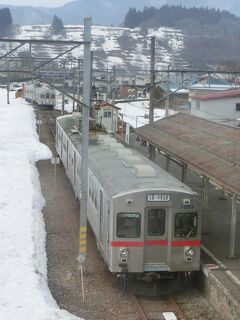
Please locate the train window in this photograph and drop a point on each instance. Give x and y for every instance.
(156, 222)
(128, 225)
(186, 225)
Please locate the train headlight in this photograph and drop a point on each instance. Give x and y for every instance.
(123, 252)
(188, 254)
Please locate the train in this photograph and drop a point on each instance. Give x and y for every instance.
(40, 94)
(146, 222)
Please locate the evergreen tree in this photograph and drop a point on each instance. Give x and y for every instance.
(57, 25)
(5, 22)
(173, 16)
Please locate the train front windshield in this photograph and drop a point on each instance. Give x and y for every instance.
(128, 225)
(186, 225)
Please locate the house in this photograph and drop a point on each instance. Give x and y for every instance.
(218, 106)
(208, 84)
(108, 115)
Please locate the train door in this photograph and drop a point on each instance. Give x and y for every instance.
(101, 223)
(156, 237)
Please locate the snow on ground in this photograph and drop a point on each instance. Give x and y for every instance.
(136, 113)
(24, 293)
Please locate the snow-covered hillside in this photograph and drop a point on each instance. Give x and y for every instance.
(122, 47)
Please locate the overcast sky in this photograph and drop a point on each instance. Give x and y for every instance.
(35, 3)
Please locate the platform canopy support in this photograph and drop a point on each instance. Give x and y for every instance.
(205, 204)
(232, 248)
(184, 172)
(167, 163)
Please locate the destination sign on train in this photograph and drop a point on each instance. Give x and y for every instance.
(158, 197)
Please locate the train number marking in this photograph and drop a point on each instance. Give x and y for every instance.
(158, 197)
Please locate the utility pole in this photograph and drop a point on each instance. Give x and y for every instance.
(64, 78)
(8, 88)
(78, 86)
(167, 102)
(30, 67)
(113, 96)
(85, 137)
(151, 149)
(114, 85)
(108, 84)
(74, 88)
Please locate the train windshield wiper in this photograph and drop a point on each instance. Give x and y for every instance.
(189, 233)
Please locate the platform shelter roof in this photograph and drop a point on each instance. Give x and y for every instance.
(211, 148)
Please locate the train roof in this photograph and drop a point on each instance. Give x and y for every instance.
(121, 169)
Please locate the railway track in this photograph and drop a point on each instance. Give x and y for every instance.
(50, 117)
(166, 309)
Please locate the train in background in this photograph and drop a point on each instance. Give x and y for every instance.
(40, 94)
(147, 223)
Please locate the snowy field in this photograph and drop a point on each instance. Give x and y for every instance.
(136, 113)
(111, 45)
(24, 293)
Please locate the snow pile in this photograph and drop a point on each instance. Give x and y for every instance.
(24, 293)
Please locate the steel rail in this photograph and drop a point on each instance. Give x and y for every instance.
(177, 308)
(140, 309)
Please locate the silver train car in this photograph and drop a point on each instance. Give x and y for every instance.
(42, 95)
(147, 223)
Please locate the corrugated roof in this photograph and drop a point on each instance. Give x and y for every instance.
(218, 95)
(211, 148)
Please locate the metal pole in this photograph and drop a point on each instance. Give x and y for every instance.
(232, 253)
(113, 95)
(108, 84)
(152, 80)
(85, 138)
(74, 88)
(8, 87)
(168, 94)
(151, 149)
(63, 97)
(184, 172)
(78, 86)
(205, 203)
(30, 68)
(167, 163)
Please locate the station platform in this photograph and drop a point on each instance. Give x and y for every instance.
(219, 280)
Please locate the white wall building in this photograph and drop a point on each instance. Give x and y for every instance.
(108, 114)
(219, 106)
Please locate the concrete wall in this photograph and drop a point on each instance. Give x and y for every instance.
(211, 285)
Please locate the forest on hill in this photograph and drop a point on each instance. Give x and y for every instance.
(176, 16)
(211, 36)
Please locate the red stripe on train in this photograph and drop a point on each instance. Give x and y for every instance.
(126, 244)
(156, 243)
(193, 243)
